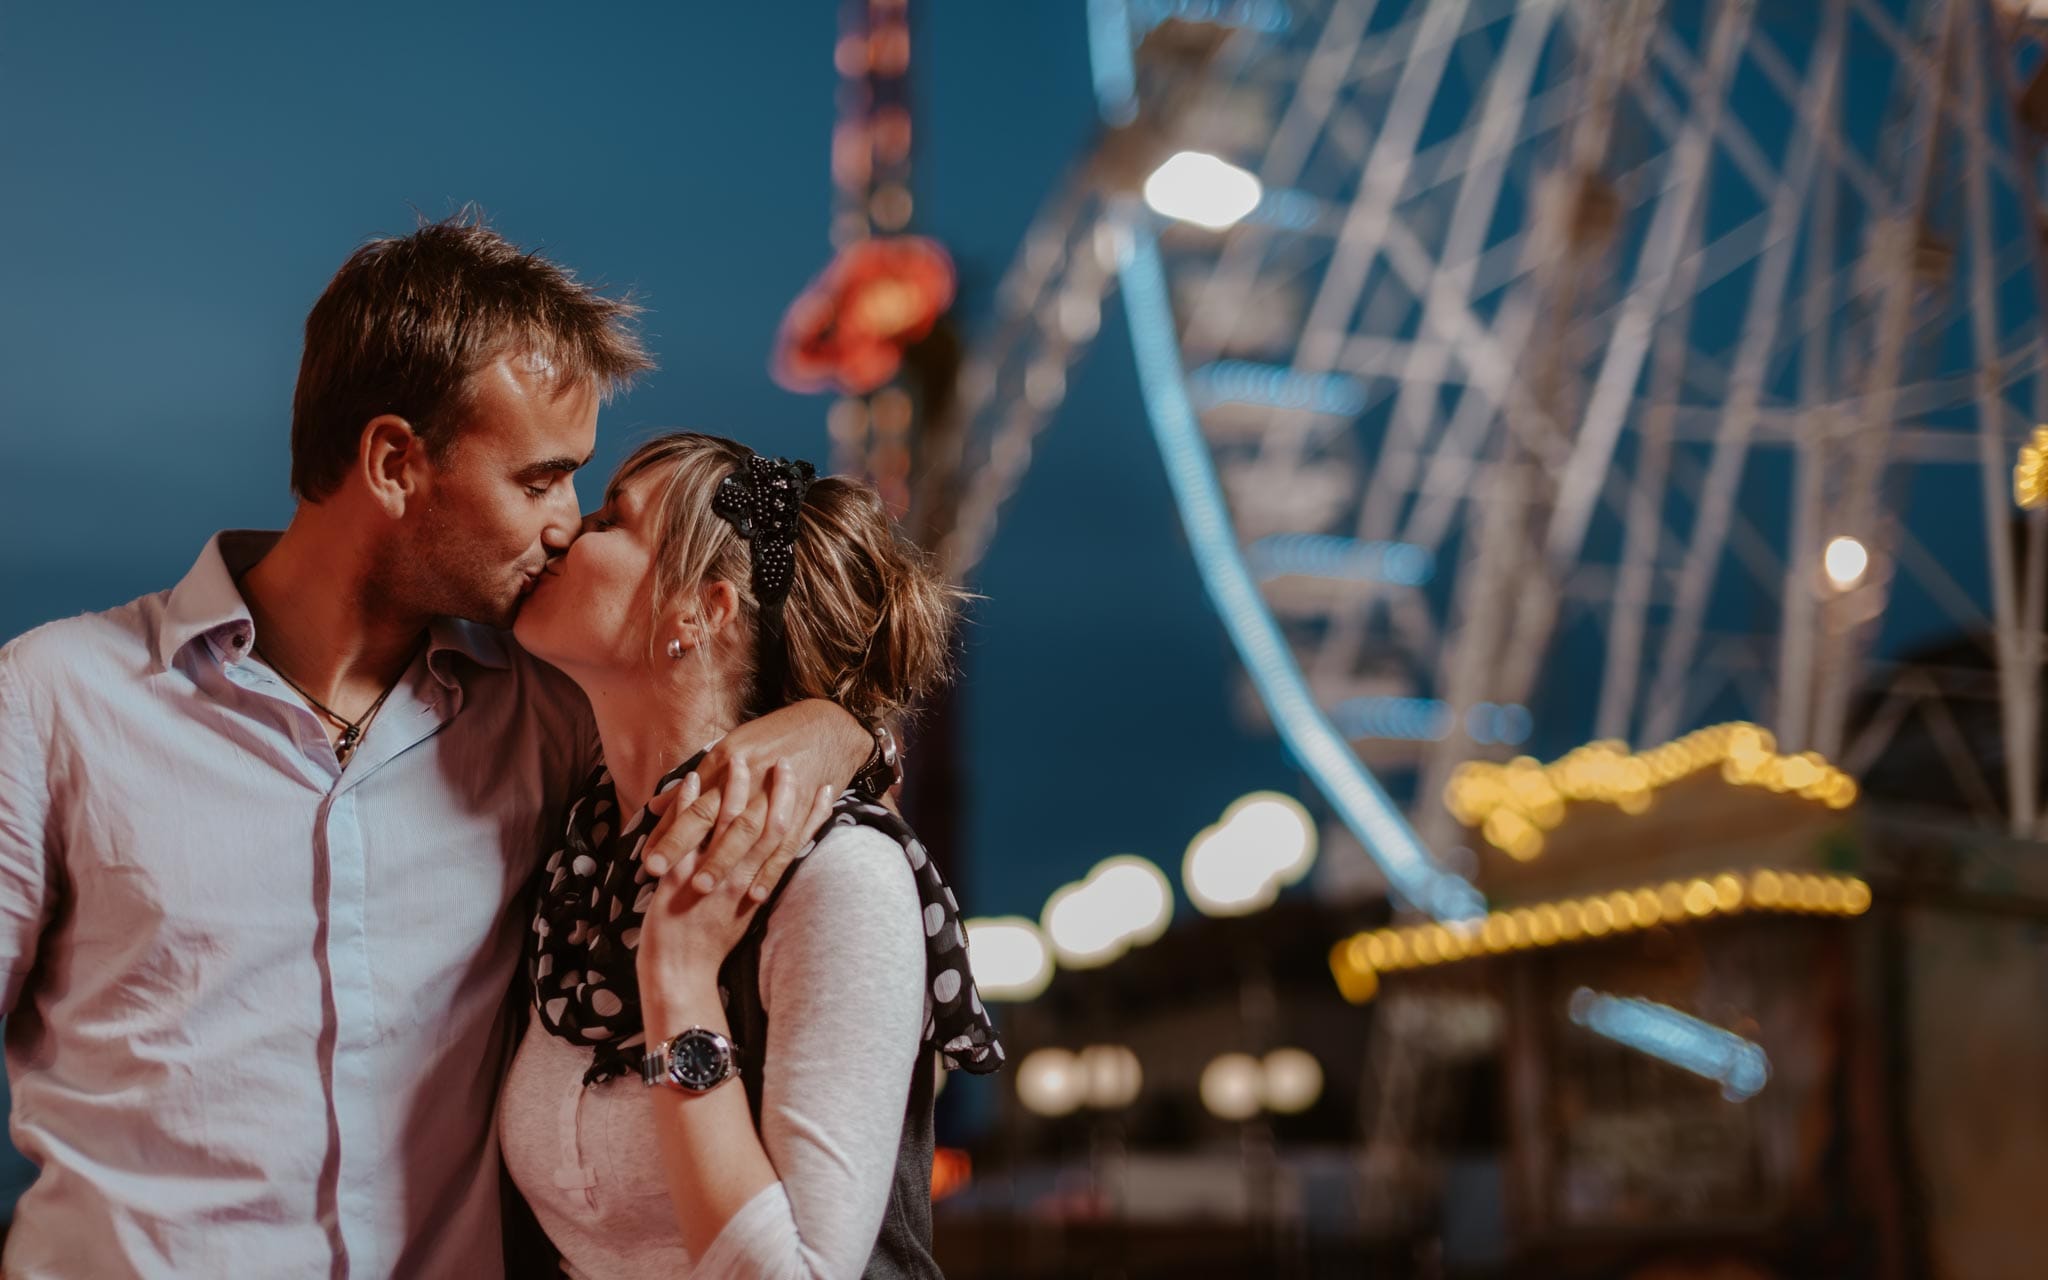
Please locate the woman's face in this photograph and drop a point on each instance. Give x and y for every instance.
(589, 610)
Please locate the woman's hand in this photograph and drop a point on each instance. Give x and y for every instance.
(687, 934)
(718, 824)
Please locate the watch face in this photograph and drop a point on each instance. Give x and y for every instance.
(696, 1060)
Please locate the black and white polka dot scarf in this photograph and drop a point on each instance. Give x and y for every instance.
(594, 893)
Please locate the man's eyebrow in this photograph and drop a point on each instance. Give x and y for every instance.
(556, 466)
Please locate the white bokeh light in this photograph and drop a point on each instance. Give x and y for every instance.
(1050, 1082)
(1292, 1080)
(1112, 1074)
(1010, 958)
(1281, 827)
(1262, 843)
(1845, 562)
(1231, 1086)
(1194, 186)
(1123, 902)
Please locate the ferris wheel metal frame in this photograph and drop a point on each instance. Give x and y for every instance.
(1516, 294)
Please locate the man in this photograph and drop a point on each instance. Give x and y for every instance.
(263, 836)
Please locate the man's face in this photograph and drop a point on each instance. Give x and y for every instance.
(502, 500)
(590, 610)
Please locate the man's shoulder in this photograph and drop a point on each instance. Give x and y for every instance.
(540, 689)
(58, 659)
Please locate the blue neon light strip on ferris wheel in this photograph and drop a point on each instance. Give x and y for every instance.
(1352, 791)
(1359, 800)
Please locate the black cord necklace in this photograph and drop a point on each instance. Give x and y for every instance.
(352, 731)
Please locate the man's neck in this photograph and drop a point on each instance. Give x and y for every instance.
(645, 733)
(318, 622)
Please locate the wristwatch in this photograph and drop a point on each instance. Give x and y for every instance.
(697, 1061)
(884, 766)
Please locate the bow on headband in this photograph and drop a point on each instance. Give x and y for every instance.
(761, 500)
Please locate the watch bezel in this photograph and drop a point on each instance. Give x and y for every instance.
(673, 1060)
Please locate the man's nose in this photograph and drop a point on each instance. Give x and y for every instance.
(565, 517)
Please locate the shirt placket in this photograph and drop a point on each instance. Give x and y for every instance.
(354, 1007)
(361, 1187)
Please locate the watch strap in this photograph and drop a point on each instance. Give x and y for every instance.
(883, 768)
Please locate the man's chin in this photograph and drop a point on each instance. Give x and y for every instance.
(512, 620)
(498, 614)
(507, 616)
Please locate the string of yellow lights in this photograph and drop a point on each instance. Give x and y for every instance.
(1358, 961)
(1514, 804)
(2030, 474)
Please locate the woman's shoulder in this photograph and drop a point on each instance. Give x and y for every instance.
(855, 861)
(856, 881)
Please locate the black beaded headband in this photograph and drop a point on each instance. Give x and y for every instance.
(761, 501)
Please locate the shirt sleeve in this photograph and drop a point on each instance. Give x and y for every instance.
(24, 810)
(842, 976)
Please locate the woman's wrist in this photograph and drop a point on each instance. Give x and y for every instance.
(675, 1001)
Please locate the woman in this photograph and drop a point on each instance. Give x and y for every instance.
(715, 585)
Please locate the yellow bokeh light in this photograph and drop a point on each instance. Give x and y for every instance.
(1512, 805)
(2030, 473)
(1857, 900)
(1700, 899)
(1358, 962)
(1806, 893)
(1767, 888)
(1671, 899)
(1571, 921)
(1599, 917)
(1727, 891)
(1357, 985)
(1513, 929)
(1622, 904)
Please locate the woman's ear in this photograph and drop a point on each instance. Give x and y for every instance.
(717, 605)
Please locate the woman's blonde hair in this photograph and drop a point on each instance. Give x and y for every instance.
(868, 622)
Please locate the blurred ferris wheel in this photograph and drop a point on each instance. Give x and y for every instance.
(1563, 369)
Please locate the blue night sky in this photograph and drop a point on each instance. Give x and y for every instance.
(185, 178)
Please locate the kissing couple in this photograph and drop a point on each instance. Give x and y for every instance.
(454, 860)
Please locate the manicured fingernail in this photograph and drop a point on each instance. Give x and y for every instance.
(758, 893)
(691, 786)
(703, 882)
(657, 866)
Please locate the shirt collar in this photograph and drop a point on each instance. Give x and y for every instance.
(207, 601)
(485, 646)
